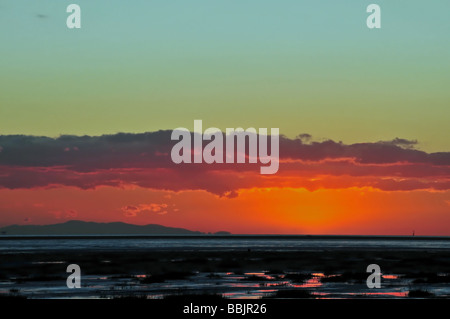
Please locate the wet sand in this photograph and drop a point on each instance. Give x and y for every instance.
(336, 273)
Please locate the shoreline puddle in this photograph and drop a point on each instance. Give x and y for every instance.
(248, 285)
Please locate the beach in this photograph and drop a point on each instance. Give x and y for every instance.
(251, 270)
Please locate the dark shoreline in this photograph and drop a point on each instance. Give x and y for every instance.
(225, 237)
(182, 273)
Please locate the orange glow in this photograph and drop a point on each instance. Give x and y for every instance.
(253, 211)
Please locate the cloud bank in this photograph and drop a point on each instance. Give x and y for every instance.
(143, 160)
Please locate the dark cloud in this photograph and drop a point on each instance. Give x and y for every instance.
(152, 150)
(85, 153)
(304, 137)
(144, 160)
(409, 144)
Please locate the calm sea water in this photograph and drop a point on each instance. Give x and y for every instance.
(99, 243)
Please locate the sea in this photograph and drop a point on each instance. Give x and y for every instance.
(22, 244)
(26, 252)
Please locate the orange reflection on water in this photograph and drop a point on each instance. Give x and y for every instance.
(237, 295)
(313, 282)
(277, 284)
(390, 276)
(390, 293)
(259, 274)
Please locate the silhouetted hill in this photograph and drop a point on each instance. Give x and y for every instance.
(75, 227)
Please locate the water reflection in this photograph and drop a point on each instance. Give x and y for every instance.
(313, 282)
(248, 285)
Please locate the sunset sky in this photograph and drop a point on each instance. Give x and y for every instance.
(85, 115)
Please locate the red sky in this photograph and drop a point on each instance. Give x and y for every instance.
(385, 188)
(256, 210)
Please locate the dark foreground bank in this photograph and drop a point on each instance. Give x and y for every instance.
(142, 274)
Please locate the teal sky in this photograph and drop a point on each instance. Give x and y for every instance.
(303, 66)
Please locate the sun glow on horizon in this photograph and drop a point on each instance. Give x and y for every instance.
(271, 210)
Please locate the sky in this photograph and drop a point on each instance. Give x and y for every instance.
(373, 103)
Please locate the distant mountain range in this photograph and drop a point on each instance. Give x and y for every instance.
(76, 227)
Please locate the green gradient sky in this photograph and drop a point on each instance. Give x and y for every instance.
(303, 66)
